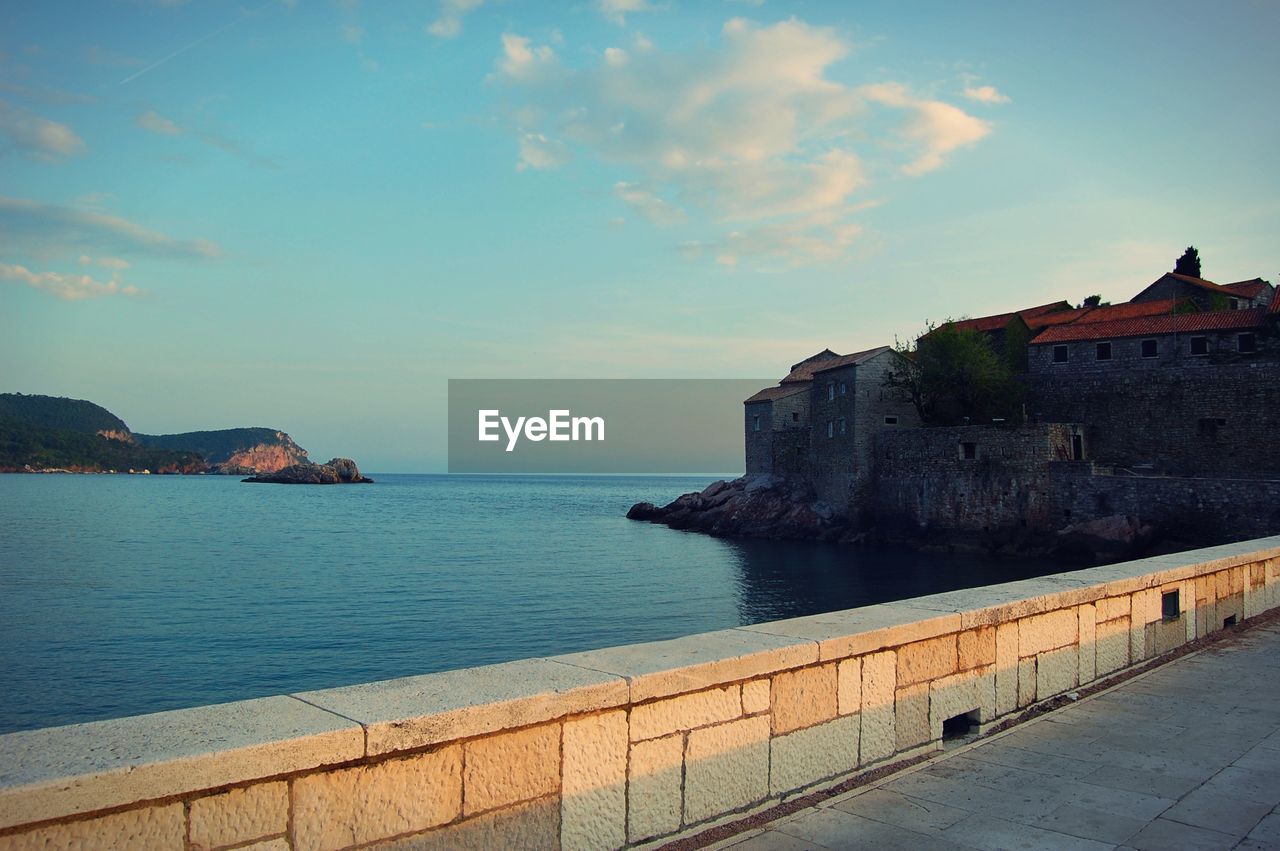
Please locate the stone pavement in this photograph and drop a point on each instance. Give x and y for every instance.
(1186, 756)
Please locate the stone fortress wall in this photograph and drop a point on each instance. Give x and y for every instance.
(619, 746)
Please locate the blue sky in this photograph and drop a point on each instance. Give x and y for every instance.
(311, 214)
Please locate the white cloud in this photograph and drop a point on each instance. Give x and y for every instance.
(106, 262)
(539, 152)
(449, 22)
(33, 226)
(936, 128)
(35, 136)
(153, 122)
(985, 94)
(67, 287)
(649, 205)
(752, 132)
(616, 11)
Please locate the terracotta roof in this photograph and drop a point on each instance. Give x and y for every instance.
(1275, 303)
(804, 370)
(1199, 282)
(846, 360)
(1059, 317)
(1247, 289)
(770, 394)
(1000, 320)
(1142, 326)
(1133, 310)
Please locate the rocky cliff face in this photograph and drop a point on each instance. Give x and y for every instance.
(116, 434)
(236, 451)
(265, 457)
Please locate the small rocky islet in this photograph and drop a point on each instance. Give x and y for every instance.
(336, 471)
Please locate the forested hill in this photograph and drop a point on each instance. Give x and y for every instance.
(260, 448)
(24, 446)
(59, 413)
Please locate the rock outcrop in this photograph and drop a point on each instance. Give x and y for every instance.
(1107, 539)
(338, 471)
(236, 451)
(750, 507)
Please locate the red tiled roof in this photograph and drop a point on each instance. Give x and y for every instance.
(1133, 310)
(770, 394)
(846, 360)
(803, 371)
(1000, 320)
(1059, 317)
(1246, 289)
(1223, 320)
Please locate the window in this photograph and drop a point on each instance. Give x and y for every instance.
(890, 420)
(1104, 351)
(843, 388)
(795, 416)
(842, 431)
(1150, 348)
(755, 423)
(831, 390)
(1059, 354)
(1235, 304)
(969, 451)
(1170, 608)
(1246, 343)
(831, 428)
(1199, 345)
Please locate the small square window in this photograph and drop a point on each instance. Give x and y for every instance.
(1059, 354)
(890, 420)
(795, 416)
(1104, 351)
(969, 451)
(1199, 345)
(1170, 605)
(1150, 348)
(1246, 343)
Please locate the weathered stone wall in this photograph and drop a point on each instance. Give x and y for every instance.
(757, 428)
(923, 479)
(770, 448)
(1202, 420)
(611, 747)
(1173, 352)
(1196, 508)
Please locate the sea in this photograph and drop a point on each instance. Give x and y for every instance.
(122, 595)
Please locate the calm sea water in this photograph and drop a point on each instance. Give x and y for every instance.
(128, 594)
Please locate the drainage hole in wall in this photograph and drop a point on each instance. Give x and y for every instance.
(1228, 621)
(960, 727)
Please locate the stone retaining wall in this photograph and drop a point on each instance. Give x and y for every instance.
(621, 746)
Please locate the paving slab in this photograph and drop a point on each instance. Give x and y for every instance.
(1184, 756)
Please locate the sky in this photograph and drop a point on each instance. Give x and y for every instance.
(309, 215)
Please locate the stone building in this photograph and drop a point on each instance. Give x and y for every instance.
(1209, 296)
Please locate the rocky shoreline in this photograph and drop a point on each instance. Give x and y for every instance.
(336, 471)
(771, 507)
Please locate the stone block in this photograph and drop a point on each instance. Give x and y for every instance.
(755, 697)
(1026, 681)
(912, 716)
(277, 844)
(531, 826)
(510, 767)
(1088, 647)
(926, 660)
(1057, 672)
(726, 768)
(853, 632)
(1228, 606)
(351, 806)
(413, 712)
(594, 783)
(879, 719)
(1006, 667)
(653, 787)
(237, 816)
(976, 648)
(1112, 640)
(1187, 597)
(960, 694)
(697, 662)
(803, 698)
(849, 686)
(664, 717)
(1048, 631)
(58, 772)
(159, 828)
(1110, 608)
(807, 756)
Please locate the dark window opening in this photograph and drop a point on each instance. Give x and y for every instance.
(1077, 448)
(1199, 345)
(960, 726)
(1150, 348)
(1229, 620)
(1059, 354)
(1104, 351)
(968, 451)
(1246, 343)
(1170, 608)
(795, 416)
(755, 423)
(890, 420)
(843, 388)
(842, 431)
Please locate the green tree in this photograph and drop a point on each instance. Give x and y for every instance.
(1094, 301)
(955, 376)
(1188, 263)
